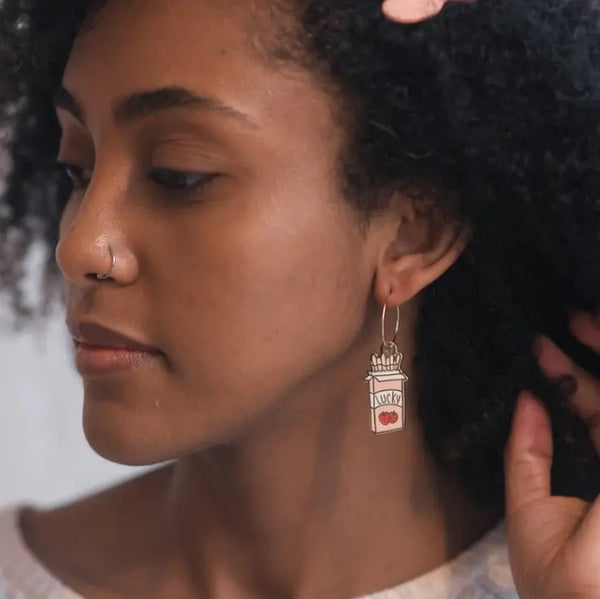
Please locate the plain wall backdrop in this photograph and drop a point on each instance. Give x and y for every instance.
(44, 457)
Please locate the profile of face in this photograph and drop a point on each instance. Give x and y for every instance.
(237, 255)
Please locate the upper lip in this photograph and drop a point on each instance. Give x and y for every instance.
(92, 333)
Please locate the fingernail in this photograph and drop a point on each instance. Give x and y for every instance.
(537, 346)
(552, 359)
(566, 383)
(585, 318)
(532, 427)
(525, 416)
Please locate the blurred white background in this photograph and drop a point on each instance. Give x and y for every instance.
(44, 457)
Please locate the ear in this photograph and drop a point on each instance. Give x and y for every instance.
(414, 249)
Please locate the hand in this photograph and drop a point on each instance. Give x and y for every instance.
(553, 542)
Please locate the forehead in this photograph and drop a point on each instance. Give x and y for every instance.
(210, 46)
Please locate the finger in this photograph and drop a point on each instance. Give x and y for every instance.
(528, 455)
(586, 328)
(587, 536)
(585, 401)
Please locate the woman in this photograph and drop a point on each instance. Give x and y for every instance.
(246, 195)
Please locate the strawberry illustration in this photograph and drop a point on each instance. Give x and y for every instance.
(393, 417)
(384, 418)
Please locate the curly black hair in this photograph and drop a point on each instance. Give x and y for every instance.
(491, 110)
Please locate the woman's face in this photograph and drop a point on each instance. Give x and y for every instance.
(250, 284)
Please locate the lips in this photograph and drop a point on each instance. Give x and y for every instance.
(96, 335)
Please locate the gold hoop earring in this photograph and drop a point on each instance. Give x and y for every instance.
(386, 384)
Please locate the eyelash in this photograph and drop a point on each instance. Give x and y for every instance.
(198, 179)
(73, 173)
(159, 176)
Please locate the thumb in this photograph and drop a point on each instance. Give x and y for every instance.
(528, 454)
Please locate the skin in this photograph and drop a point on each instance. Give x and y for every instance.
(226, 518)
(263, 293)
(553, 541)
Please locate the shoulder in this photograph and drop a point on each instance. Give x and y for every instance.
(47, 552)
(22, 576)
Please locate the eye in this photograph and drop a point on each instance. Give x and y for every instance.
(179, 180)
(78, 177)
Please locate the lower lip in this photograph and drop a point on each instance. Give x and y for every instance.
(92, 359)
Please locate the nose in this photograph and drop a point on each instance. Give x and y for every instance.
(92, 231)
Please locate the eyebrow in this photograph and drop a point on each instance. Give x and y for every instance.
(141, 104)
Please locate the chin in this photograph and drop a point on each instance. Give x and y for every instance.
(123, 433)
(140, 437)
(123, 447)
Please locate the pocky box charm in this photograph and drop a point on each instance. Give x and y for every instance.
(386, 390)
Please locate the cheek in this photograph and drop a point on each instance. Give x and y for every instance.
(261, 299)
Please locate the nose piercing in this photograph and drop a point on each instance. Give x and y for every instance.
(112, 267)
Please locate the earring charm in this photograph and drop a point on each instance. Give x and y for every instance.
(112, 267)
(386, 384)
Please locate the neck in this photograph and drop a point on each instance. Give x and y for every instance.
(311, 503)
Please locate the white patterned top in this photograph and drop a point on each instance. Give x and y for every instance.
(480, 572)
